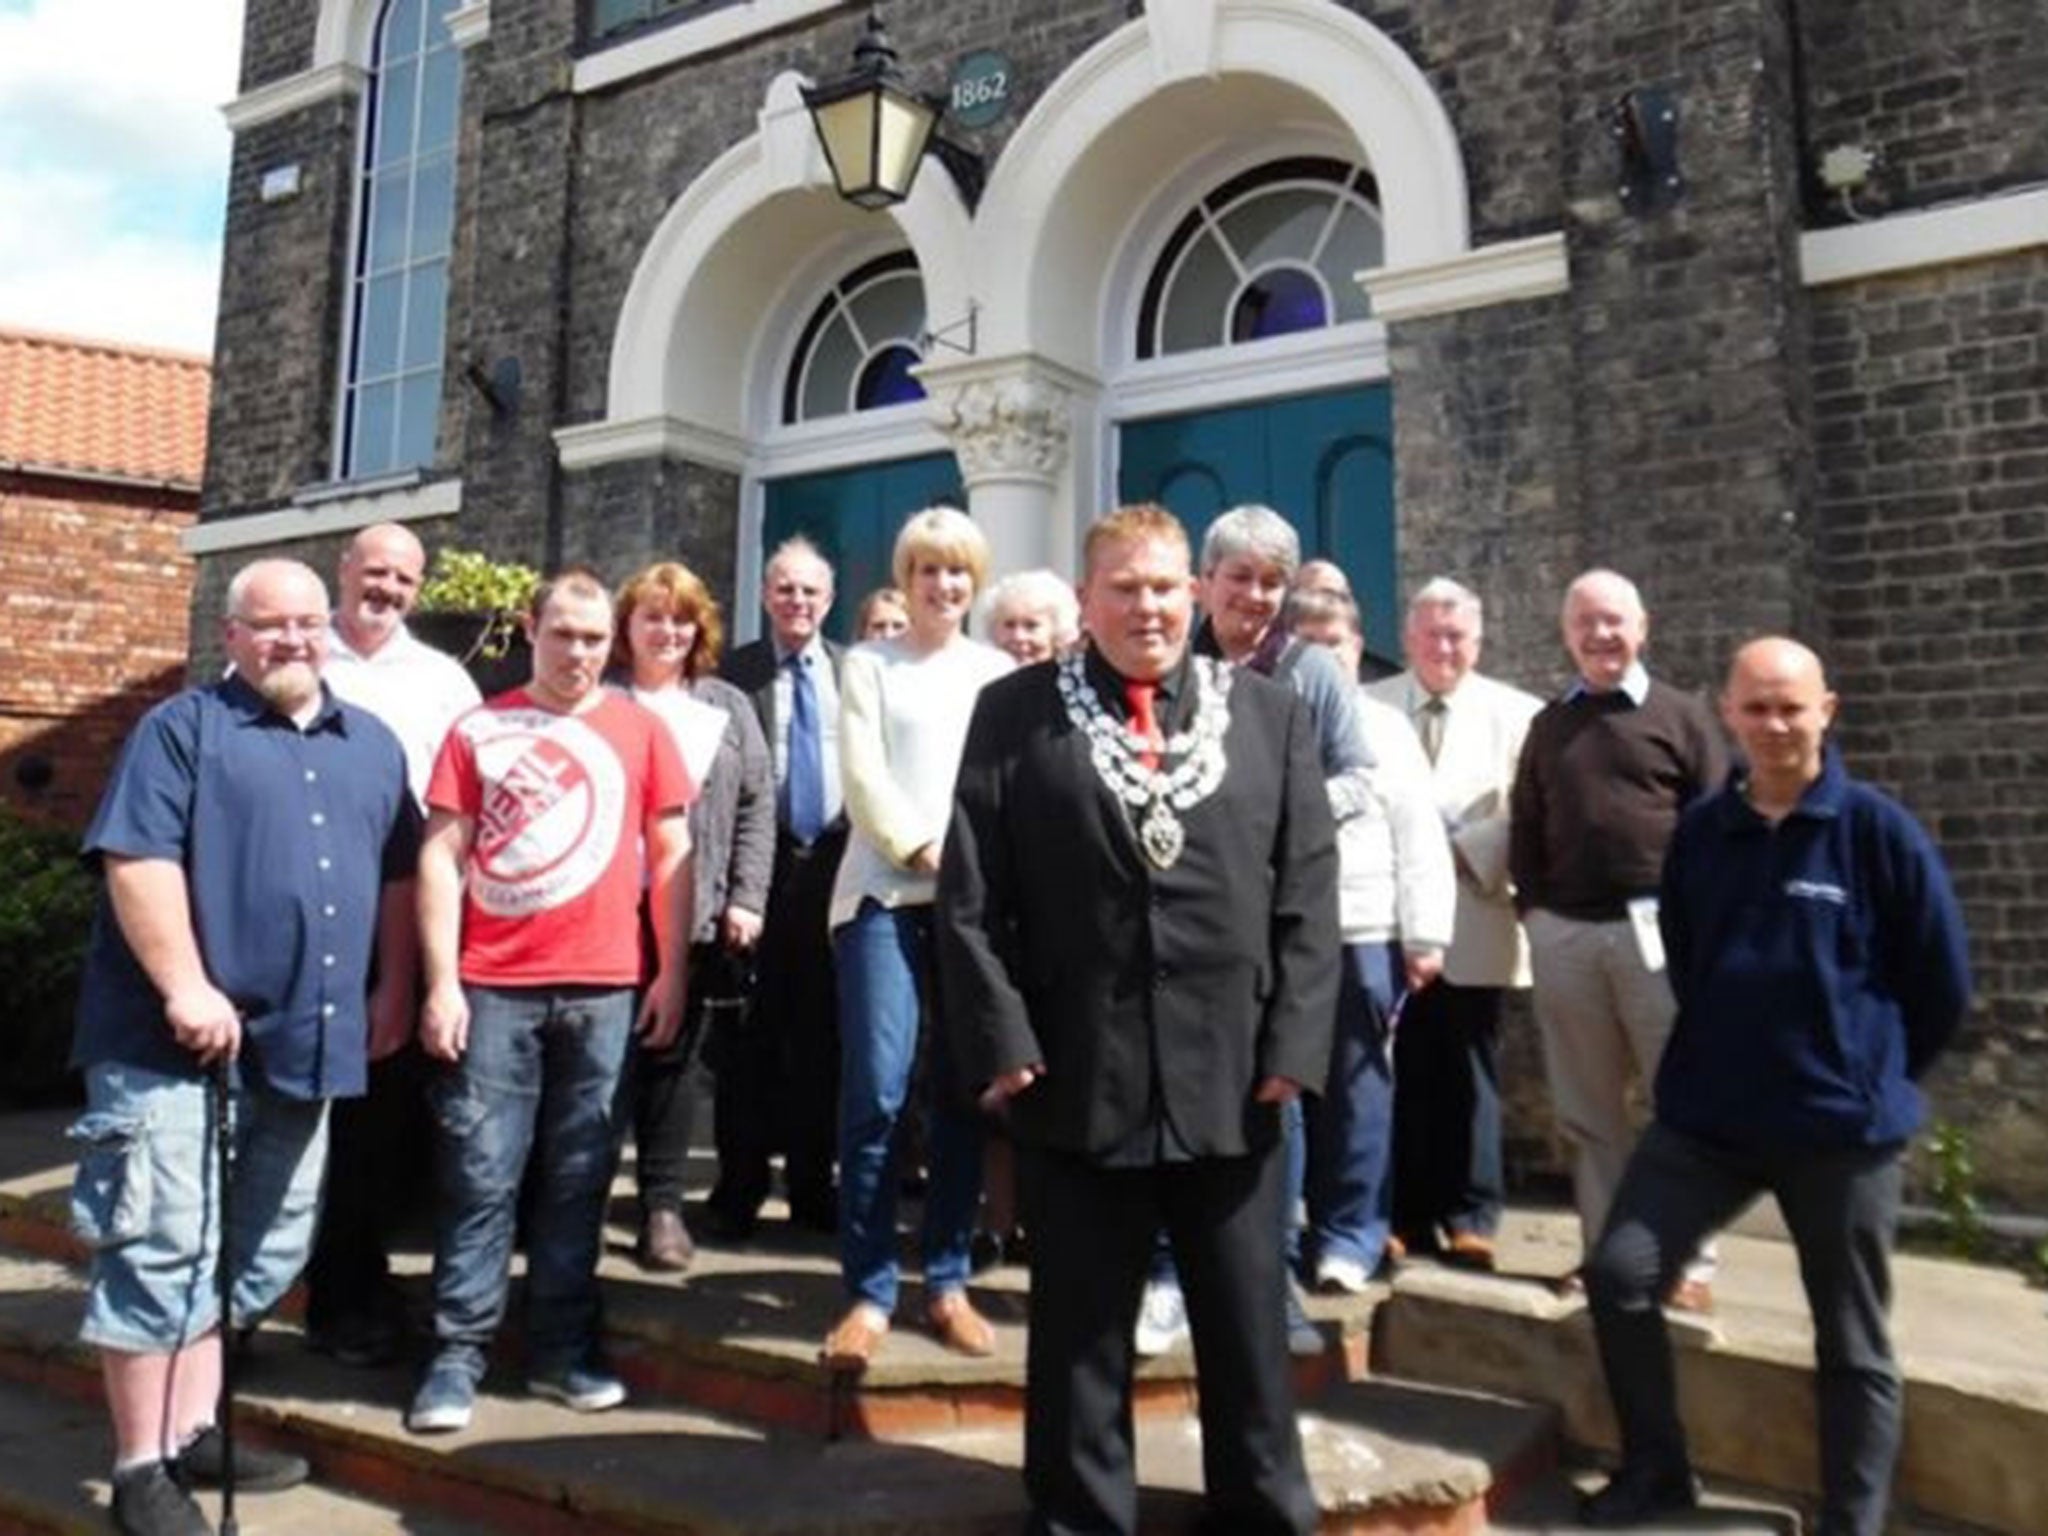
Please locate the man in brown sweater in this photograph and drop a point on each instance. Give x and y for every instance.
(1605, 772)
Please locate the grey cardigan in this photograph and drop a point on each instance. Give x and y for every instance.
(732, 823)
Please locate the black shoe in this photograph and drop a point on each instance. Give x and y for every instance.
(360, 1340)
(1632, 1497)
(815, 1210)
(149, 1502)
(257, 1470)
(723, 1226)
(984, 1252)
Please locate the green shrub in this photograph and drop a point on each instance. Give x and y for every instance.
(464, 581)
(46, 904)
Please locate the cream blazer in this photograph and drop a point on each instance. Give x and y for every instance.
(1473, 774)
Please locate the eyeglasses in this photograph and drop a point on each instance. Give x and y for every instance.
(279, 629)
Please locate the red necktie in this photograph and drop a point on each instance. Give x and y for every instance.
(1139, 697)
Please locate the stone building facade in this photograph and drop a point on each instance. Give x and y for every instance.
(1790, 374)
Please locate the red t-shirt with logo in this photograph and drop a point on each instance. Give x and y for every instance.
(557, 805)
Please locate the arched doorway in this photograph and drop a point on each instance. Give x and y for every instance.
(1262, 263)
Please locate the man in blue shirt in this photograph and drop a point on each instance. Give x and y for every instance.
(1819, 963)
(258, 841)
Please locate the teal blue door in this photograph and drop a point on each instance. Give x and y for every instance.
(853, 515)
(1324, 462)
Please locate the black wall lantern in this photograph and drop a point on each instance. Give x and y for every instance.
(875, 129)
(1644, 126)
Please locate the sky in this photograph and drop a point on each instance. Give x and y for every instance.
(113, 165)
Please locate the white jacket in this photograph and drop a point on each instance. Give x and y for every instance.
(1396, 879)
(1473, 774)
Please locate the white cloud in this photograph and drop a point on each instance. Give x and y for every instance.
(113, 165)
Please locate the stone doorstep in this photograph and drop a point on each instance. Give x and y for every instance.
(1971, 1454)
(1385, 1457)
(53, 1482)
(738, 1336)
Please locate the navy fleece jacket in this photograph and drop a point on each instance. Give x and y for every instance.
(1819, 966)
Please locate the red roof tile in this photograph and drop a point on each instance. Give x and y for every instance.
(103, 408)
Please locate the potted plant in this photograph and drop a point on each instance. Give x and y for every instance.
(471, 606)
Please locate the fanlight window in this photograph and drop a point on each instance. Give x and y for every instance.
(406, 196)
(1268, 253)
(858, 347)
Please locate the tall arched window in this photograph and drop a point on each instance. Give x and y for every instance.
(1267, 253)
(856, 351)
(405, 200)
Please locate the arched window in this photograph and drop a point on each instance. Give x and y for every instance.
(1267, 253)
(856, 351)
(405, 200)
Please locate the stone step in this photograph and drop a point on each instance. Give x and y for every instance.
(53, 1482)
(1385, 1457)
(738, 1335)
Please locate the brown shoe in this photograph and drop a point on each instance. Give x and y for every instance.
(1470, 1250)
(959, 1327)
(853, 1342)
(1695, 1296)
(664, 1242)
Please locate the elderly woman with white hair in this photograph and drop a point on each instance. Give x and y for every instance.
(1033, 615)
(904, 707)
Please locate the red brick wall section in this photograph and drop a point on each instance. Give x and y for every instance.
(94, 594)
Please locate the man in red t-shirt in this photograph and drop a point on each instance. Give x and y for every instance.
(554, 809)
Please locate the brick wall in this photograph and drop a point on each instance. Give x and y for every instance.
(1949, 95)
(1931, 404)
(93, 592)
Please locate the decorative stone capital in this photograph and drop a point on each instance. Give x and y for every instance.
(1012, 423)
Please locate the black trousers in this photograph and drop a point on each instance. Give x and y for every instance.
(777, 1078)
(1091, 1232)
(380, 1171)
(667, 1087)
(1447, 1141)
(1842, 1206)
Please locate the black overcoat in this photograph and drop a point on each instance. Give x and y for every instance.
(1143, 991)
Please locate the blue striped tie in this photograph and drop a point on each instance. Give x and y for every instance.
(806, 780)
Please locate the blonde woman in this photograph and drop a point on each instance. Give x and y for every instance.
(665, 654)
(904, 708)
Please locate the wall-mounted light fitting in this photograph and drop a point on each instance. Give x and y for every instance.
(499, 385)
(943, 335)
(1644, 125)
(876, 131)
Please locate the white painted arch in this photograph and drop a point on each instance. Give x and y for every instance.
(1095, 144)
(721, 260)
(344, 31)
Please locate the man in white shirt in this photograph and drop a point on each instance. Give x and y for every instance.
(1447, 1137)
(375, 662)
(379, 1144)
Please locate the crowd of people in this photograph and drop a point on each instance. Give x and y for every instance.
(1162, 937)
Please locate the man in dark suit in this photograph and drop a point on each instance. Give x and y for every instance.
(778, 1077)
(1137, 934)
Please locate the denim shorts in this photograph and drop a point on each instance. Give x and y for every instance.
(146, 1200)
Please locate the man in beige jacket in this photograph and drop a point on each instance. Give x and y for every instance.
(1447, 1138)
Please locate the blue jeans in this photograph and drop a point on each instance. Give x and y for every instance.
(146, 1199)
(883, 958)
(1351, 1126)
(541, 1075)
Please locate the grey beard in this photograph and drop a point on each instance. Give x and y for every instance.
(289, 688)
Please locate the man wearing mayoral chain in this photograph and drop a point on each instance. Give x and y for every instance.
(1137, 932)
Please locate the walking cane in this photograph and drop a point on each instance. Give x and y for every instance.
(224, 1274)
